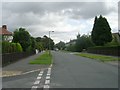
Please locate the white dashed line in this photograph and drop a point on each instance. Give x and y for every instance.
(49, 71)
(48, 74)
(46, 86)
(49, 68)
(40, 74)
(47, 82)
(47, 77)
(39, 77)
(37, 82)
(34, 87)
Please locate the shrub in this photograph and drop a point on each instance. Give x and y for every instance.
(8, 47)
(19, 47)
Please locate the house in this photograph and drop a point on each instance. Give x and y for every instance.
(5, 35)
(72, 42)
(117, 36)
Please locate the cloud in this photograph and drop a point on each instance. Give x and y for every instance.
(65, 18)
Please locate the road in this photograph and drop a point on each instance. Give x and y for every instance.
(68, 71)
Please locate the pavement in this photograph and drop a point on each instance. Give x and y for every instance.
(22, 67)
(67, 71)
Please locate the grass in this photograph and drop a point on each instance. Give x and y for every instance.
(44, 59)
(102, 58)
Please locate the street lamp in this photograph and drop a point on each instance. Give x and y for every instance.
(49, 41)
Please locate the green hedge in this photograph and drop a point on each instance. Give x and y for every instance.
(104, 47)
(106, 50)
(8, 47)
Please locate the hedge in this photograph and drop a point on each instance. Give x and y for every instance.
(8, 47)
(106, 50)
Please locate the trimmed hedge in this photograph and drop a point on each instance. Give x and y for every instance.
(105, 50)
(8, 47)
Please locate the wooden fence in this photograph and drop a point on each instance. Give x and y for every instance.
(13, 57)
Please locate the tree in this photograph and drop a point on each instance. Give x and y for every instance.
(60, 45)
(33, 43)
(23, 37)
(83, 42)
(45, 42)
(101, 32)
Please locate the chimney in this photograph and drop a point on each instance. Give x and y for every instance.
(4, 26)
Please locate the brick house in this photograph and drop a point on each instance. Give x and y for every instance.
(5, 35)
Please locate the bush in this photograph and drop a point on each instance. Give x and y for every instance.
(8, 47)
(71, 48)
(19, 47)
(29, 49)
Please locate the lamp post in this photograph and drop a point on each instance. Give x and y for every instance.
(49, 41)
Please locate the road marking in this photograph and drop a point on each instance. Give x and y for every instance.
(37, 82)
(47, 77)
(34, 87)
(48, 74)
(31, 71)
(49, 71)
(46, 86)
(49, 68)
(39, 77)
(47, 82)
(40, 74)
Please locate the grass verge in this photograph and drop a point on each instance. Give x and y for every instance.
(102, 58)
(44, 59)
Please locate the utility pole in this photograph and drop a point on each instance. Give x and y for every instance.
(49, 41)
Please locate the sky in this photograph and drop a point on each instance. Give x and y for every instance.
(66, 19)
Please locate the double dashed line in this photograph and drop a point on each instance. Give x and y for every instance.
(39, 80)
(47, 81)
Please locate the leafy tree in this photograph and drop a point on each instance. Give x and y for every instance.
(33, 43)
(60, 45)
(38, 39)
(83, 42)
(39, 46)
(23, 37)
(101, 33)
(71, 47)
(44, 42)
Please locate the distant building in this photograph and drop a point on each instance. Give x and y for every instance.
(5, 35)
(72, 42)
(117, 36)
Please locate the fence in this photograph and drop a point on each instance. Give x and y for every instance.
(12, 57)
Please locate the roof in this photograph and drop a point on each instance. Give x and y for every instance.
(4, 31)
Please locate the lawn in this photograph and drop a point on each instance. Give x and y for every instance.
(44, 59)
(102, 58)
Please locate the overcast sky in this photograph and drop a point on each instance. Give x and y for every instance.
(67, 19)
